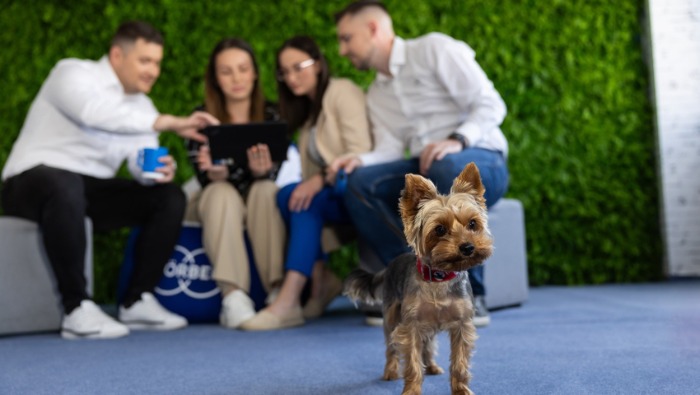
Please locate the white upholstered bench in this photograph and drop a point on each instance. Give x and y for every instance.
(505, 273)
(29, 299)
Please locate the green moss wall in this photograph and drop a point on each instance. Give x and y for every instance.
(571, 72)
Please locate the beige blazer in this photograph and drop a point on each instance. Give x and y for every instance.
(342, 127)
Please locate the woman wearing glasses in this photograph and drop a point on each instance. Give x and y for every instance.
(331, 117)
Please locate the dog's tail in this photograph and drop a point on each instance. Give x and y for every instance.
(362, 286)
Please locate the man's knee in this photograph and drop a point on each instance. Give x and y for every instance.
(352, 193)
(492, 170)
(357, 181)
(42, 192)
(357, 188)
(58, 188)
(449, 167)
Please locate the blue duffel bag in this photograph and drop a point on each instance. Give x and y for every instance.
(187, 287)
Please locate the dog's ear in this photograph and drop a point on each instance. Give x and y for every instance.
(417, 189)
(469, 181)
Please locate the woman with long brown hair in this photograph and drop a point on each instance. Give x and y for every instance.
(235, 197)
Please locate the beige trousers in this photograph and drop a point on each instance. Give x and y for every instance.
(224, 216)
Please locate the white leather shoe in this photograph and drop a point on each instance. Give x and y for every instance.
(148, 314)
(236, 308)
(88, 321)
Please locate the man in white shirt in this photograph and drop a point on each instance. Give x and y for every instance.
(432, 99)
(87, 119)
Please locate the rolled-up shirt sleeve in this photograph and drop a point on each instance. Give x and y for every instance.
(388, 146)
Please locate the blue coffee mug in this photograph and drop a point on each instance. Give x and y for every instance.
(341, 183)
(149, 161)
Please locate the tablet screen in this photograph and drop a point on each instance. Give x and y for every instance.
(228, 143)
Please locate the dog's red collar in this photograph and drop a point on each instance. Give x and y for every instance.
(436, 276)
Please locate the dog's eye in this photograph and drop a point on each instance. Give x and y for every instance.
(440, 230)
(472, 224)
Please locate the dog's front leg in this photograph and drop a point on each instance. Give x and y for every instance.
(408, 340)
(462, 339)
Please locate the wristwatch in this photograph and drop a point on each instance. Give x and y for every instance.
(458, 137)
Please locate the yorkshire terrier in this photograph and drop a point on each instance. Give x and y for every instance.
(428, 292)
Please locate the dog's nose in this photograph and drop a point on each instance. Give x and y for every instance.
(466, 249)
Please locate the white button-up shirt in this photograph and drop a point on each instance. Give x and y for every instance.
(82, 121)
(436, 88)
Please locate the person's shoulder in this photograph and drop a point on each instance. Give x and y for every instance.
(433, 40)
(73, 68)
(341, 92)
(436, 43)
(342, 86)
(77, 64)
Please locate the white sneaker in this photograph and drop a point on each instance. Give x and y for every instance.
(148, 314)
(236, 308)
(481, 313)
(374, 318)
(88, 321)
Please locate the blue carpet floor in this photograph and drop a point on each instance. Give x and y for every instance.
(611, 339)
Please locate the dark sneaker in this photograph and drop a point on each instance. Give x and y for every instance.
(481, 313)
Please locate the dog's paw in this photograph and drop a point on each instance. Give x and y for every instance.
(433, 370)
(465, 391)
(390, 375)
(391, 369)
(412, 390)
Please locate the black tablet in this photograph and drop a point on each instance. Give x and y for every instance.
(228, 143)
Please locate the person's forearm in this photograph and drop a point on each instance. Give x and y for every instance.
(165, 122)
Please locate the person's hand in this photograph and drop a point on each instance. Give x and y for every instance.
(437, 151)
(217, 172)
(168, 170)
(186, 127)
(347, 162)
(259, 160)
(204, 162)
(304, 193)
(204, 158)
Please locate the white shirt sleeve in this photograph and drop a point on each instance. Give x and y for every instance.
(388, 146)
(290, 171)
(467, 83)
(84, 99)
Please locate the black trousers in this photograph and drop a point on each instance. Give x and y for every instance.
(59, 200)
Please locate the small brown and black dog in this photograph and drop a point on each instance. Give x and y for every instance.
(429, 292)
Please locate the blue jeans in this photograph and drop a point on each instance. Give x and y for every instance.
(373, 194)
(305, 227)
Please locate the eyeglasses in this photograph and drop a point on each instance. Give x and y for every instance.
(297, 68)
